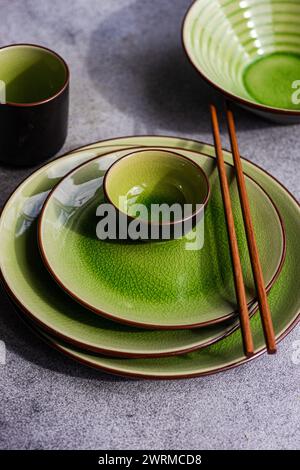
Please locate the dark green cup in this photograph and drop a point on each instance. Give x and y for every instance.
(34, 103)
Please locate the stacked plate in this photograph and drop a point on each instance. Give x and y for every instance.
(152, 310)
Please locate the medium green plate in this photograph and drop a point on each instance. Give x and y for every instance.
(154, 285)
(284, 298)
(35, 292)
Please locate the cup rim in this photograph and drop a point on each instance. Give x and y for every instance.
(50, 98)
(170, 153)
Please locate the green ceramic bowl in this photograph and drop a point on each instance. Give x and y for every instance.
(142, 181)
(250, 51)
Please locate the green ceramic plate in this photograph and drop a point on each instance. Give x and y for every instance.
(249, 50)
(35, 292)
(284, 298)
(154, 285)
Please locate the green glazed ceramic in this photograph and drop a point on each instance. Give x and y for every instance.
(34, 103)
(250, 51)
(157, 177)
(153, 285)
(31, 73)
(284, 298)
(39, 297)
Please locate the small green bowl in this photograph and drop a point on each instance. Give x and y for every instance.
(250, 51)
(152, 178)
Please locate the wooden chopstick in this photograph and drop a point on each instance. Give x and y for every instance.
(234, 251)
(265, 313)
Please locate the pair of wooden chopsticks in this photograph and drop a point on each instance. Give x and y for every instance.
(252, 247)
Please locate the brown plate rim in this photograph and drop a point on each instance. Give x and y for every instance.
(133, 375)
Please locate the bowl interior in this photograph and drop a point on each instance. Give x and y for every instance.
(29, 74)
(155, 177)
(248, 48)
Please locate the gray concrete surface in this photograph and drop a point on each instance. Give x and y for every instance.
(130, 76)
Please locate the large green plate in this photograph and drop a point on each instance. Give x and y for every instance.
(34, 290)
(156, 285)
(284, 298)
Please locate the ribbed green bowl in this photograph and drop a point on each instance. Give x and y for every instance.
(250, 51)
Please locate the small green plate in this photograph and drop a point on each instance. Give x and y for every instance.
(39, 297)
(284, 298)
(154, 285)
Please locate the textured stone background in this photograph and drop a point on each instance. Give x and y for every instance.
(130, 76)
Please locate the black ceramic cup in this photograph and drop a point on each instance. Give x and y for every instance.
(34, 103)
